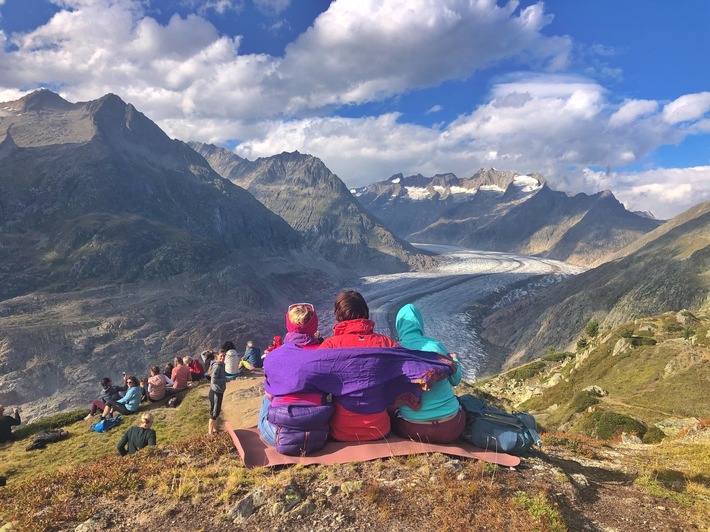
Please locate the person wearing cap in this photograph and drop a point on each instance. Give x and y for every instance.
(299, 419)
(136, 438)
(7, 422)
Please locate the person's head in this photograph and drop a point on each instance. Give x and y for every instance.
(154, 370)
(350, 305)
(228, 345)
(220, 355)
(105, 383)
(250, 344)
(187, 360)
(177, 361)
(147, 419)
(302, 318)
(132, 380)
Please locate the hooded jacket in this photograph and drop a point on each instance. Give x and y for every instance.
(439, 402)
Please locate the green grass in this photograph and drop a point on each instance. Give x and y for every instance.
(84, 446)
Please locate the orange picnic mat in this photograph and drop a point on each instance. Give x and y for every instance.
(256, 453)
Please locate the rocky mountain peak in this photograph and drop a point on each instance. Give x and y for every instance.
(42, 100)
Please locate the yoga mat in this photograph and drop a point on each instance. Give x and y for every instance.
(255, 453)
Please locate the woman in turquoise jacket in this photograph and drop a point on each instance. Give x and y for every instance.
(440, 418)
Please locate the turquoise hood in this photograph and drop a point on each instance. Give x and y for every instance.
(410, 329)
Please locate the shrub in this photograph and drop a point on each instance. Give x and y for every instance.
(673, 327)
(653, 435)
(638, 341)
(557, 357)
(527, 371)
(610, 425)
(592, 328)
(582, 401)
(582, 343)
(627, 333)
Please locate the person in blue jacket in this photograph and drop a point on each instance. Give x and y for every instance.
(440, 418)
(129, 403)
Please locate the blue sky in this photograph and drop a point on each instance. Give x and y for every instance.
(595, 94)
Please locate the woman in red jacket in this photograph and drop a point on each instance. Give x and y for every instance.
(355, 329)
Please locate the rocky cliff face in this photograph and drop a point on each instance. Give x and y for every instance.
(316, 203)
(666, 270)
(504, 211)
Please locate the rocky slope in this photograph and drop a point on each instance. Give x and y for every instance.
(122, 248)
(667, 270)
(503, 211)
(317, 204)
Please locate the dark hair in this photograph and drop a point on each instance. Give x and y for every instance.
(155, 369)
(178, 361)
(228, 345)
(105, 382)
(350, 305)
(168, 369)
(133, 380)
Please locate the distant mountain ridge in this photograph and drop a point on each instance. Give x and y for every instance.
(317, 204)
(505, 211)
(667, 269)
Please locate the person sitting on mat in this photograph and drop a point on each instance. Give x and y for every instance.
(440, 418)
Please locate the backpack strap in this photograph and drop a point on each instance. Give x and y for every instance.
(531, 428)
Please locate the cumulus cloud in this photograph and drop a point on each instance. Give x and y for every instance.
(663, 191)
(204, 88)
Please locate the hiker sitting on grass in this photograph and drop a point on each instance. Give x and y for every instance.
(108, 392)
(137, 437)
(197, 370)
(7, 422)
(180, 376)
(129, 403)
(154, 386)
(231, 359)
(251, 358)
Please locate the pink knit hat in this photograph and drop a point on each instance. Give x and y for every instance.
(310, 327)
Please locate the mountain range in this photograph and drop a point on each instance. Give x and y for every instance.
(505, 211)
(317, 204)
(121, 247)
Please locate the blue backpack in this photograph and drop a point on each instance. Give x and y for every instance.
(106, 424)
(493, 429)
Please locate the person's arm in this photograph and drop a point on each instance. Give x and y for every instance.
(16, 420)
(455, 378)
(121, 446)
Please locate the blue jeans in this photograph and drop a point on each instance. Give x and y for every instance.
(268, 431)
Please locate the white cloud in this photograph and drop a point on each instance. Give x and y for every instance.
(272, 7)
(434, 109)
(687, 108)
(202, 87)
(664, 191)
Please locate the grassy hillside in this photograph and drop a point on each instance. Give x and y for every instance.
(195, 482)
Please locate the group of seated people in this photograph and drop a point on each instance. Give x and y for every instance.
(126, 398)
(357, 385)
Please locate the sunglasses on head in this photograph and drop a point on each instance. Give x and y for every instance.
(308, 305)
